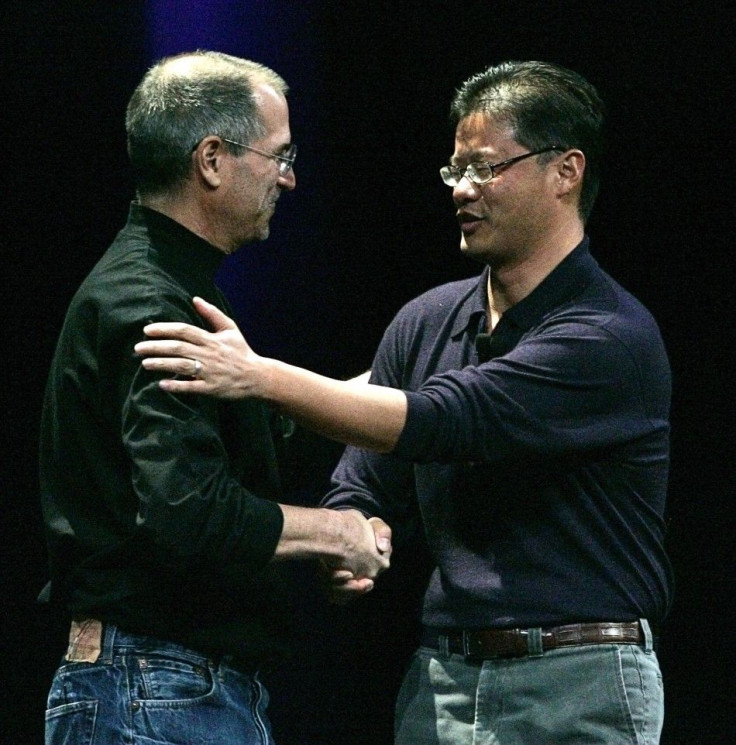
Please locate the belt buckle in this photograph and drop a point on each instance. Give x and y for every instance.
(467, 652)
(512, 646)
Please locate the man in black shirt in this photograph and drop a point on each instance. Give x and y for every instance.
(164, 526)
(525, 415)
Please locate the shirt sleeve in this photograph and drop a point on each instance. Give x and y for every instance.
(192, 510)
(571, 388)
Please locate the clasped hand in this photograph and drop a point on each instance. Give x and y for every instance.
(344, 581)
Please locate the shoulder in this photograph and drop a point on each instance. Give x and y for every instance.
(435, 305)
(604, 328)
(422, 325)
(617, 311)
(128, 287)
(442, 296)
(601, 303)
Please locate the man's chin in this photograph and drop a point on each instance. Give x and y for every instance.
(476, 253)
(255, 237)
(260, 234)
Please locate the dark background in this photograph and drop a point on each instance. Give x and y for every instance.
(369, 226)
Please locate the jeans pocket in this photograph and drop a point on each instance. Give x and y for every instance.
(72, 708)
(643, 693)
(71, 724)
(170, 681)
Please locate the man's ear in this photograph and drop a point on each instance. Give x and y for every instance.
(208, 161)
(570, 170)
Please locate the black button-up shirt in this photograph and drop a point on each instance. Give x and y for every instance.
(160, 510)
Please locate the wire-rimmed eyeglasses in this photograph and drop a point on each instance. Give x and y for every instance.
(286, 160)
(481, 171)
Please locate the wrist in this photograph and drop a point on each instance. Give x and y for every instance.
(265, 384)
(315, 533)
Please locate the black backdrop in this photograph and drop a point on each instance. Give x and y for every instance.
(369, 226)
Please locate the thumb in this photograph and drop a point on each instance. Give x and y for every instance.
(383, 534)
(217, 320)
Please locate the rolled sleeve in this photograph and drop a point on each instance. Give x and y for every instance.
(568, 391)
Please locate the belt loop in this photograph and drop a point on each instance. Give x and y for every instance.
(648, 639)
(443, 645)
(534, 642)
(108, 643)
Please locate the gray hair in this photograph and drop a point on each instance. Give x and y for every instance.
(181, 100)
(544, 104)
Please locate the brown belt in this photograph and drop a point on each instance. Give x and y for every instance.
(489, 644)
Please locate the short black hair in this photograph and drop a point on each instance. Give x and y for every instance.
(545, 104)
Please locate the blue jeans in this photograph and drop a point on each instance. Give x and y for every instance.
(144, 690)
(606, 694)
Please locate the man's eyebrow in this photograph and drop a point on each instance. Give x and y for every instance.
(471, 157)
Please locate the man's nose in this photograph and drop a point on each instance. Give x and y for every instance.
(288, 180)
(465, 191)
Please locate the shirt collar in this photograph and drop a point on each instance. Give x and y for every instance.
(474, 308)
(175, 243)
(560, 285)
(563, 283)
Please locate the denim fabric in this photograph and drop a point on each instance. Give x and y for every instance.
(609, 694)
(143, 690)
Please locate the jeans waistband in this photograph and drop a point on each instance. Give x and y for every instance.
(91, 640)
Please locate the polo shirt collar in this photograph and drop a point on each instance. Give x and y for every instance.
(559, 286)
(473, 308)
(562, 284)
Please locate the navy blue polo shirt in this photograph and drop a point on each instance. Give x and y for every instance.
(537, 455)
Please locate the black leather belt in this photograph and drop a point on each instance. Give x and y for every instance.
(489, 644)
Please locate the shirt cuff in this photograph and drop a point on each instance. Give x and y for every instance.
(263, 542)
(417, 436)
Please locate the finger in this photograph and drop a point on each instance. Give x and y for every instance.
(345, 593)
(213, 315)
(166, 347)
(382, 533)
(332, 574)
(171, 365)
(183, 386)
(174, 330)
(339, 576)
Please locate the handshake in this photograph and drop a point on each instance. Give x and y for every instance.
(352, 549)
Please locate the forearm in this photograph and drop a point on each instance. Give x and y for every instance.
(341, 539)
(364, 415)
(312, 533)
(221, 363)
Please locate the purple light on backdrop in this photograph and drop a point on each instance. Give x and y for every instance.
(232, 26)
(280, 34)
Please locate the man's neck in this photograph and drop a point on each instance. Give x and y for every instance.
(185, 213)
(510, 284)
